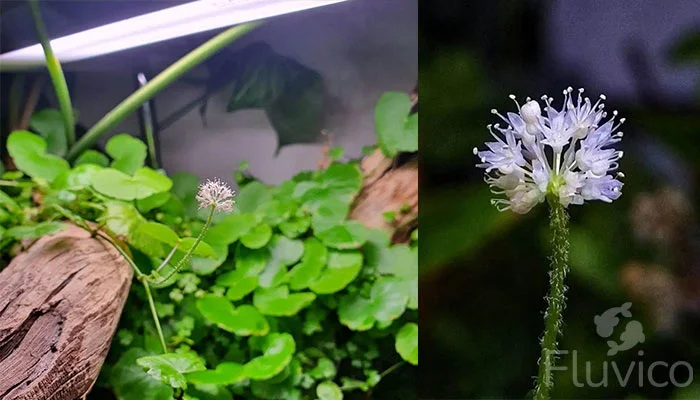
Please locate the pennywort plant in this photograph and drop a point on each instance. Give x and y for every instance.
(565, 156)
(276, 295)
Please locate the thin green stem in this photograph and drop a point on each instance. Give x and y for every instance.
(190, 251)
(392, 368)
(158, 83)
(56, 72)
(166, 260)
(139, 275)
(556, 300)
(154, 313)
(15, 184)
(121, 251)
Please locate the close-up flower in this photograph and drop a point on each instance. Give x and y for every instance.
(566, 154)
(215, 193)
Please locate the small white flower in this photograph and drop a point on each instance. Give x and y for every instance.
(215, 193)
(564, 153)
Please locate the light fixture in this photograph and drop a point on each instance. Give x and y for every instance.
(182, 20)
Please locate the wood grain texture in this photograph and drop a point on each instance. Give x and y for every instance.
(385, 188)
(60, 302)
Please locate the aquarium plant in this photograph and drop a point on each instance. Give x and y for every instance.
(269, 293)
(567, 157)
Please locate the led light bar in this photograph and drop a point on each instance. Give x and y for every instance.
(182, 20)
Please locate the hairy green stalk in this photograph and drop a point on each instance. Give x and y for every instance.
(556, 300)
(158, 83)
(190, 251)
(56, 72)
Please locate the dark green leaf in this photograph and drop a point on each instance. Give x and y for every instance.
(48, 123)
(128, 153)
(92, 157)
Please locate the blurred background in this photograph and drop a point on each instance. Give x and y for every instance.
(484, 273)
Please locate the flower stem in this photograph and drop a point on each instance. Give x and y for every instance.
(158, 83)
(189, 253)
(154, 313)
(556, 300)
(56, 72)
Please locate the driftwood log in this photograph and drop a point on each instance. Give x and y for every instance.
(60, 302)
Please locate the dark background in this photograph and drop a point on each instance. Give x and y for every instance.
(484, 273)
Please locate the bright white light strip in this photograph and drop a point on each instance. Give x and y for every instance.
(186, 19)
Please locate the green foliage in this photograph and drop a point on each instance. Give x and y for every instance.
(128, 153)
(29, 153)
(397, 130)
(48, 123)
(291, 94)
(283, 298)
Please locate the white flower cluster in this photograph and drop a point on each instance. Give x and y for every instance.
(217, 194)
(518, 163)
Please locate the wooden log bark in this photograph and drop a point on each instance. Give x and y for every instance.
(389, 185)
(60, 302)
(388, 188)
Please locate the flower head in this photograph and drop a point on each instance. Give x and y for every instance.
(217, 194)
(566, 154)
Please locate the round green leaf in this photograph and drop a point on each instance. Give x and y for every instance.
(277, 211)
(77, 178)
(324, 369)
(49, 124)
(387, 302)
(356, 312)
(230, 229)
(343, 267)
(407, 343)
(397, 131)
(207, 265)
(243, 321)
(308, 270)
(153, 201)
(226, 373)
(257, 237)
(159, 232)
(295, 227)
(121, 218)
(202, 249)
(119, 185)
(328, 390)
(347, 235)
(128, 153)
(284, 252)
(92, 157)
(35, 231)
(252, 196)
(389, 299)
(329, 213)
(170, 367)
(29, 154)
(130, 381)
(343, 178)
(279, 302)
(278, 349)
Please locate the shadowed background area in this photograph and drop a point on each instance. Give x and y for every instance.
(484, 273)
